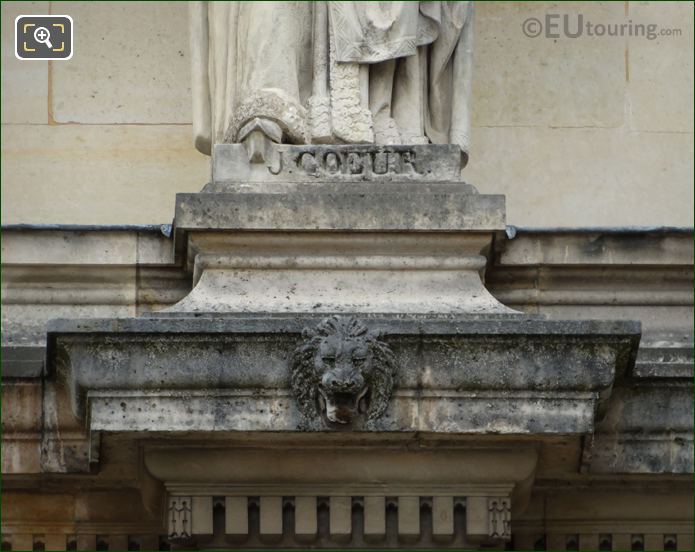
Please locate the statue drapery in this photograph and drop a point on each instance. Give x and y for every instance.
(332, 72)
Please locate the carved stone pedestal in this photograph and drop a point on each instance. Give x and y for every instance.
(339, 375)
(409, 239)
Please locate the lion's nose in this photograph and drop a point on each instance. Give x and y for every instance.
(340, 384)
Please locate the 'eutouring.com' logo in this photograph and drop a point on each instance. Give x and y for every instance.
(43, 37)
(556, 25)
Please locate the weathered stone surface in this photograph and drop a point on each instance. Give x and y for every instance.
(33, 293)
(93, 173)
(448, 469)
(158, 374)
(127, 71)
(585, 176)
(642, 454)
(632, 274)
(348, 284)
(56, 247)
(25, 325)
(562, 175)
(563, 284)
(546, 82)
(51, 272)
(666, 361)
(625, 510)
(503, 413)
(21, 424)
(648, 409)
(24, 83)
(340, 211)
(608, 247)
(340, 371)
(647, 429)
(336, 163)
(351, 250)
(22, 362)
(255, 64)
(661, 69)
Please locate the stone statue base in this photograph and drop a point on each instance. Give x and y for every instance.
(339, 248)
(338, 229)
(233, 165)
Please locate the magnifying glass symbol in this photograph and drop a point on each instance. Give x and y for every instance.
(43, 36)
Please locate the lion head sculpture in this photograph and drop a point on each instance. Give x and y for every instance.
(341, 371)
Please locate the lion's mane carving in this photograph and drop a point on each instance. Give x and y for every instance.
(342, 370)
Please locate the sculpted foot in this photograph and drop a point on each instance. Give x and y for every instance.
(258, 137)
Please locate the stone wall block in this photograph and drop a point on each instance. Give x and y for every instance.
(130, 64)
(24, 83)
(660, 68)
(236, 515)
(541, 81)
(409, 516)
(271, 516)
(443, 516)
(341, 516)
(202, 515)
(74, 174)
(374, 517)
(305, 521)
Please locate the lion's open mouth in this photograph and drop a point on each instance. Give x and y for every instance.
(341, 408)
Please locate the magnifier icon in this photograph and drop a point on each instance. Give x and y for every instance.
(43, 36)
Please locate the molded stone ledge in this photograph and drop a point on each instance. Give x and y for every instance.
(330, 284)
(665, 361)
(22, 362)
(329, 272)
(645, 453)
(647, 428)
(519, 413)
(232, 374)
(657, 247)
(373, 210)
(346, 467)
(355, 267)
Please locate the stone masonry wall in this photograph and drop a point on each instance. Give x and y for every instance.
(575, 131)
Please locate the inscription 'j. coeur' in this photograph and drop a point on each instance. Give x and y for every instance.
(350, 163)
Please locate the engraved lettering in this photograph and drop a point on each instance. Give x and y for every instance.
(379, 163)
(331, 162)
(275, 171)
(409, 162)
(308, 163)
(348, 162)
(355, 165)
(393, 162)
